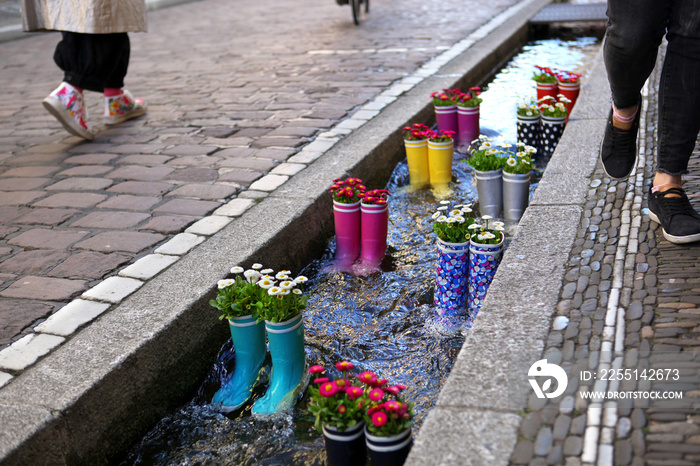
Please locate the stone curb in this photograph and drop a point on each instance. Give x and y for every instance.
(60, 411)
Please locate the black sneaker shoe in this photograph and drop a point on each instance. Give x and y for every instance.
(680, 222)
(618, 152)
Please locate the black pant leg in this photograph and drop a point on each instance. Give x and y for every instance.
(93, 61)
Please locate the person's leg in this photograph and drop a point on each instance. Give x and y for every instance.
(635, 30)
(93, 61)
(679, 124)
(97, 62)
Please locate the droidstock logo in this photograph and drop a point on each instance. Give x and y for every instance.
(542, 369)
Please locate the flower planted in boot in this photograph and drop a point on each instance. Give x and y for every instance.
(239, 301)
(67, 105)
(282, 311)
(122, 107)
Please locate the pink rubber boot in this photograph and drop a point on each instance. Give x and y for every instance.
(375, 221)
(347, 234)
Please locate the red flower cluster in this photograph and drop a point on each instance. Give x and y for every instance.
(392, 409)
(441, 136)
(415, 132)
(328, 388)
(545, 75)
(470, 98)
(347, 191)
(567, 76)
(446, 96)
(455, 96)
(376, 197)
(549, 75)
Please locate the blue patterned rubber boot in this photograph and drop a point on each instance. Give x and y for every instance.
(288, 365)
(249, 344)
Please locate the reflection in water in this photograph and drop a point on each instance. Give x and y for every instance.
(382, 322)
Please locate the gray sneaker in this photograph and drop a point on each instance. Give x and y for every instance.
(672, 209)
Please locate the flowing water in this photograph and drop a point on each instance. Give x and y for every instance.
(382, 322)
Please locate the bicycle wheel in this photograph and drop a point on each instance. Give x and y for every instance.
(355, 11)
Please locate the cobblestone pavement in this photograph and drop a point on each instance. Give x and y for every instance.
(629, 301)
(238, 95)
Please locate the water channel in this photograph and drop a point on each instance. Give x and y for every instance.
(383, 322)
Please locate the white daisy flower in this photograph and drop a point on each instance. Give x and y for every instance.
(436, 215)
(266, 271)
(499, 224)
(455, 212)
(256, 266)
(284, 291)
(283, 275)
(442, 218)
(445, 202)
(511, 162)
(287, 284)
(301, 279)
(442, 208)
(474, 226)
(459, 219)
(251, 275)
(224, 283)
(466, 209)
(528, 113)
(274, 291)
(237, 269)
(486, 217)
(266, 283)
(296, 291)
(451, 220)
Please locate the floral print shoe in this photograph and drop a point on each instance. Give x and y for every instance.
(67, 105)
(123, 107)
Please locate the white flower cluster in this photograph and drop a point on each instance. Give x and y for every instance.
(265, 280)
(484, 233)
(523, 150)
(456, 215)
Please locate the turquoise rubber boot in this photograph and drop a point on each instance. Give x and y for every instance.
(288, 365)
(249, 344)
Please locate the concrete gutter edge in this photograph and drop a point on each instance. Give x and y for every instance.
(163, 338)
(487, 389)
